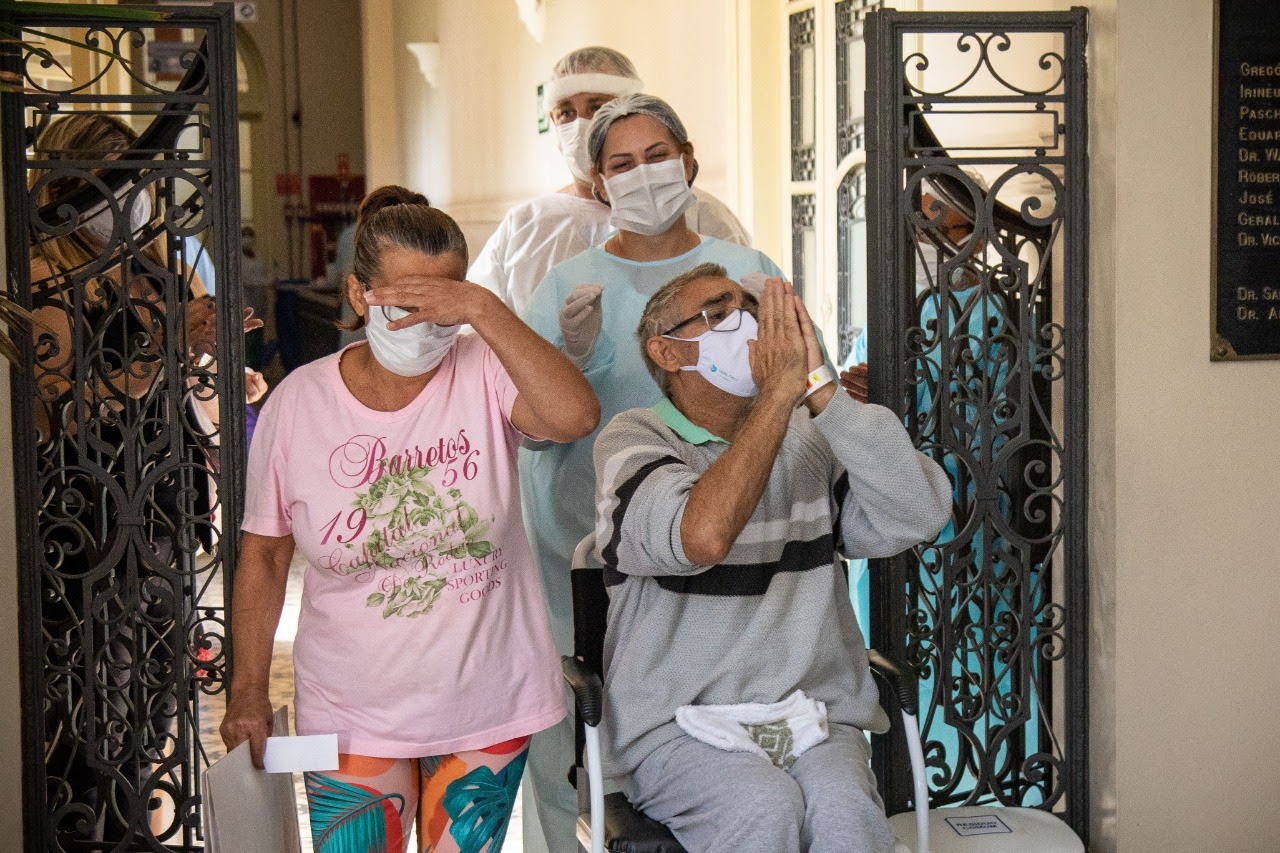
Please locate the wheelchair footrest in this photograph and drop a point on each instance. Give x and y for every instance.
(989, 829)
(628, 831)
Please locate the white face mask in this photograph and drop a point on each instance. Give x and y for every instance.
(571, 139)
(100, 224)
(724, 359)
(407, 352)
(649, 198)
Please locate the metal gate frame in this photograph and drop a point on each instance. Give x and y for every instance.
(204, 661)
(889, 106)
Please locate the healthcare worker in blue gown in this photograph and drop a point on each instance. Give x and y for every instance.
(963, 309)
(537, 234)
(642, 165)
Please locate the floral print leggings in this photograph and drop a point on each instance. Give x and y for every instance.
(462, 801)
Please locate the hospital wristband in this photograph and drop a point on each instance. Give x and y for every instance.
(820, 377)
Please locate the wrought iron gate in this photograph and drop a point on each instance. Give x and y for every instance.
(120, 167)
(976, 206)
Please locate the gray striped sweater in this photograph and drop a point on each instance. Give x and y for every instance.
(775, 615)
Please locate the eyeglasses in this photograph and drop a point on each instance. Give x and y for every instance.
(721, 318)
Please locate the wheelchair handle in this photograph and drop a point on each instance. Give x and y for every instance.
(588, 692)
(901, 680)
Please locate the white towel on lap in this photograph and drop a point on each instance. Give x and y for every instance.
(780, 732)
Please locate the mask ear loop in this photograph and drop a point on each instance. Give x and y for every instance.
(698, 341)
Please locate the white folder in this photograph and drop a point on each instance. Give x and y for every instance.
(247, 810)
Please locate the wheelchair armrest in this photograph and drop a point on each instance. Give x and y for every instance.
(901, 680)
(588, 692)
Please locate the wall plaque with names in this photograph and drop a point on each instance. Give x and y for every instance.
(1246, 240)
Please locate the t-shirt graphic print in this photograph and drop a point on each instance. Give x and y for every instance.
(423, 630)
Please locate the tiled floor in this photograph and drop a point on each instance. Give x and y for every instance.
(282, 694)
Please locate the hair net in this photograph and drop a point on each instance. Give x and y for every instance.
(592, 69)
(595, 60)
(630, 105)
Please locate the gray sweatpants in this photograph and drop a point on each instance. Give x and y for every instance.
(735, 802)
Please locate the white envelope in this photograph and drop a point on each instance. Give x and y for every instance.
(301, 753)
(247, 810)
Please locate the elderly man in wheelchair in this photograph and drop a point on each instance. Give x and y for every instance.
(737, 692)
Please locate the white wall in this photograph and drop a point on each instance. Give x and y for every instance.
(1197, 477)
(1103, 802)
(471, 143)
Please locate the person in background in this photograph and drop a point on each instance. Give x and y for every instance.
(535, 236)
(256, 287)
(104, 299)
(199, 259)
(391, 465)
(738, 692)
(965, 365)
(641, 166)
(936, 253)
(255, 284)
(349, 331)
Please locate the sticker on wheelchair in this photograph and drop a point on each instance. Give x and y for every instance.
(979, 824)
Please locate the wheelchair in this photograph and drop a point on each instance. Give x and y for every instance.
(610, 823)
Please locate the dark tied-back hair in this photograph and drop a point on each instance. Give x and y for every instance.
(393, 217)
(396, 217)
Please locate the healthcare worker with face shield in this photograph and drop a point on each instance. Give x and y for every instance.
(535, 236)
(642, 164)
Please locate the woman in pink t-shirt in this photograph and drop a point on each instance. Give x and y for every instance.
(391, 466)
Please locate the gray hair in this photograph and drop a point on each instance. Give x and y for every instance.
(657, 316)
(629, 105)
(595, 60)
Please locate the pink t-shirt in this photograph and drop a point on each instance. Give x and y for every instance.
(423, 630)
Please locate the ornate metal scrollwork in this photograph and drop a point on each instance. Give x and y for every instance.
(979, 282)
(119, 452)
(851, 17)
(804, 211)
(851, 228)
(987, 45)
(803, 95)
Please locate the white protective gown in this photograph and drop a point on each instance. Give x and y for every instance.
(544, 231)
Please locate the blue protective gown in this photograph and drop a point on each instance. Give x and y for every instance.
(557, 484)
(976, 329)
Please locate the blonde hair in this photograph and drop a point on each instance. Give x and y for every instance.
(78, 136)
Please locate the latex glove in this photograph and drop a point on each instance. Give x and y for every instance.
(753, 283)
(581, 320)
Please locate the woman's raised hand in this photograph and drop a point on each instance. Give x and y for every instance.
(255, 386)
(202, 326)
(429, 299)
